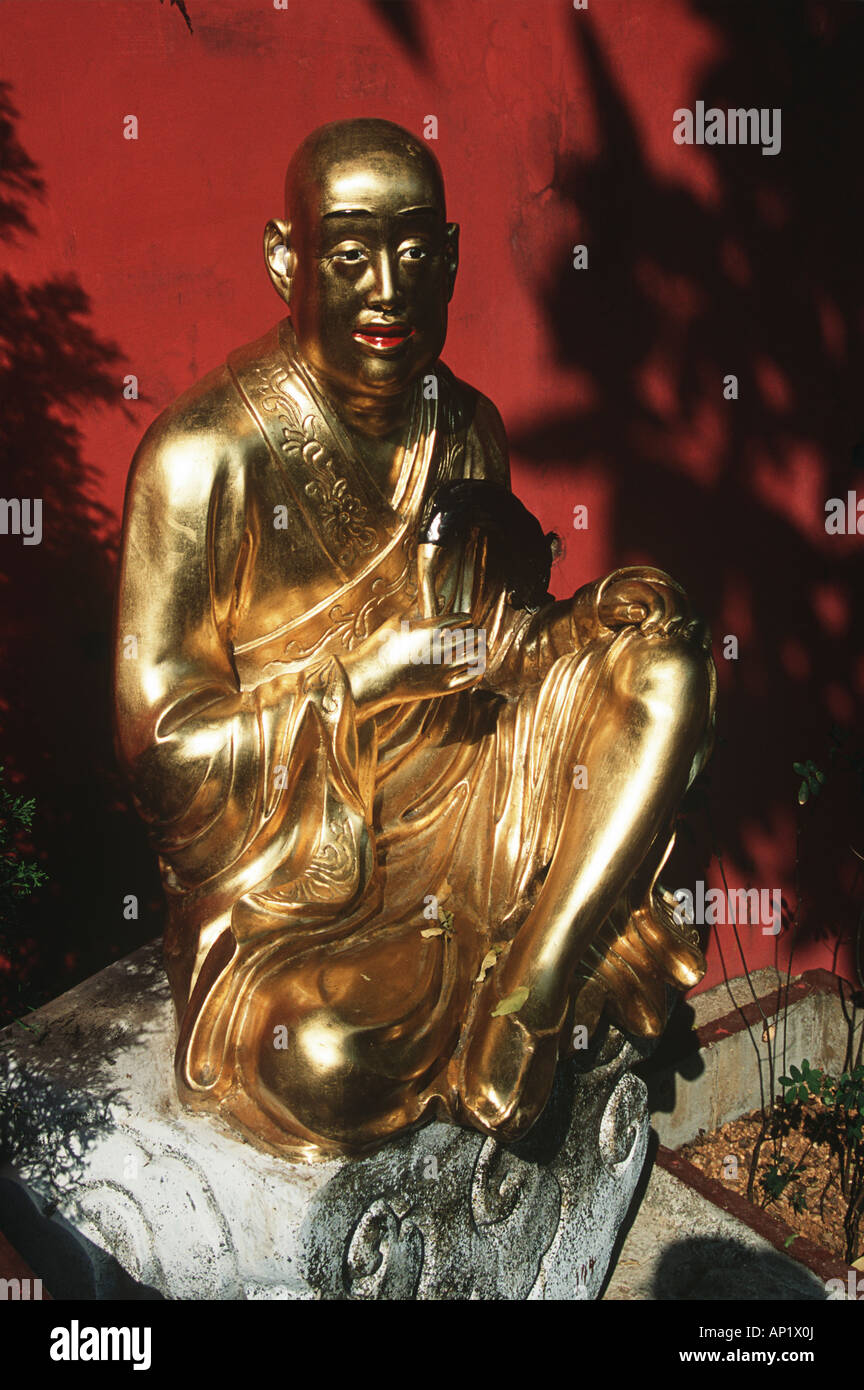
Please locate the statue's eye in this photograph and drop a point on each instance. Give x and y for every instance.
(352, 256)
(414, 253)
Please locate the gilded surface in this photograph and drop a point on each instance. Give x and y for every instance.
(365, 852)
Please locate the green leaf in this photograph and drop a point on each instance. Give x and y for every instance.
(803, 793)
(788, 1241)
(512, 1003)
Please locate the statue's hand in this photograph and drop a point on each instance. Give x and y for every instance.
(406, 660)
(648, 599)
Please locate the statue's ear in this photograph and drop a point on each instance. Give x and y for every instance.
(280, 256)
(451, 255)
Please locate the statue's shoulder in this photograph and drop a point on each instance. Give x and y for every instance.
(204, 437)
(469, 413)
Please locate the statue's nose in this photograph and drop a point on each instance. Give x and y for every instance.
(385, 292)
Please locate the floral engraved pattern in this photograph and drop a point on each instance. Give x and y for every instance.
(331, 875)
(342, 516)
(352, 627)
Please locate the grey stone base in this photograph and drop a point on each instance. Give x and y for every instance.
(109, 1189)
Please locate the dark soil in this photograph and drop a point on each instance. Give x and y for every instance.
(811, 1203)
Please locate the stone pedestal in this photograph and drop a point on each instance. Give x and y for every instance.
(108, 1188)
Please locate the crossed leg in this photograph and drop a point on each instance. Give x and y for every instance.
(639, 759)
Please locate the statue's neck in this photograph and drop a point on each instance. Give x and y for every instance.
(376, 417)
(377, 429)
(373, 418)
(377, 426)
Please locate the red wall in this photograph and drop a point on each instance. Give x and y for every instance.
(555, 127)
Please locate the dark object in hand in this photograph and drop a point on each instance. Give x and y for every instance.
(519, 553)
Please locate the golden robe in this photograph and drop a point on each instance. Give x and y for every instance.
(298, 847)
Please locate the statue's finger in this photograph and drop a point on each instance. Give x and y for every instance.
(497, 618)
(468, 572)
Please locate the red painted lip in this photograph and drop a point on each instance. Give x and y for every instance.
(383, 337)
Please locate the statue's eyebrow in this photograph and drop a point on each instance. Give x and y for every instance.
(367, 212)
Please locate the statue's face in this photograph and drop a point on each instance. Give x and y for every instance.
(373, 273)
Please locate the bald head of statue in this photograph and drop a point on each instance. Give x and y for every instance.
(365, 257)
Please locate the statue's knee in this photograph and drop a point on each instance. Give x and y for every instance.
(668, 676)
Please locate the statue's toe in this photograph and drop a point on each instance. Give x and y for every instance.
(507, 1077)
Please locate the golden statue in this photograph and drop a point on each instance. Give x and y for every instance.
(410, 811)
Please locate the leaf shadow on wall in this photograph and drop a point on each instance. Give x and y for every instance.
(762, 278)
(402, 18)
(56, 601)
